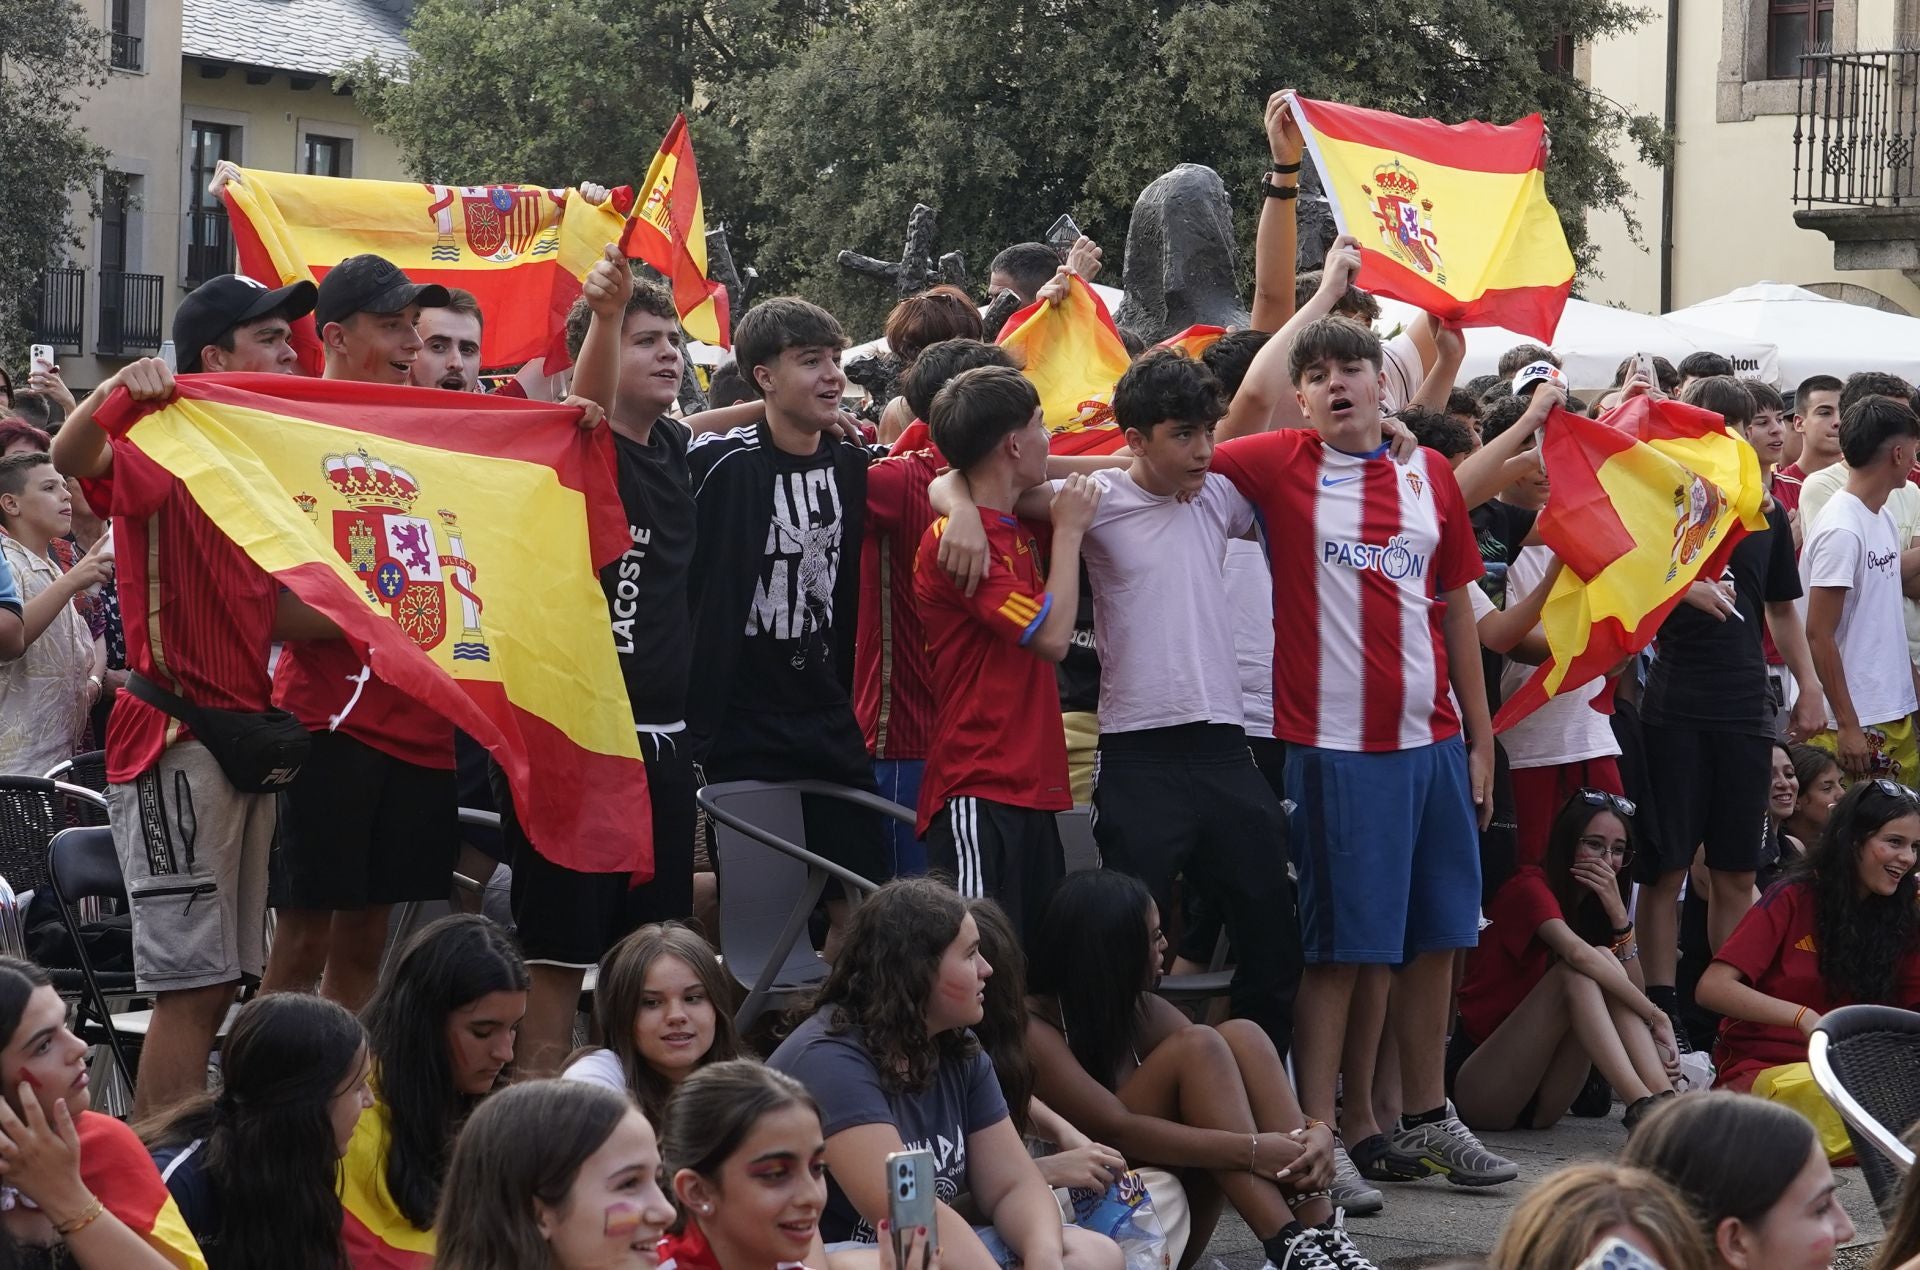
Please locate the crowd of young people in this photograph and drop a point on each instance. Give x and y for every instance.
(1263, 641)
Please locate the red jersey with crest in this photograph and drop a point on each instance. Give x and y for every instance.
(1361, 549)
(996, 708)
(1776, 950)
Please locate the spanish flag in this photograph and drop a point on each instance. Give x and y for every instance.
(1072, 353)
(1645, 501)
(454, 539)
(121, 1175)
(1453, 218)
(376, 1233)
(522, 250)
(668, 230)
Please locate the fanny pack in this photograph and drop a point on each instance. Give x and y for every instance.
(261, 752)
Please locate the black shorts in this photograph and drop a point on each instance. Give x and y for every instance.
(1189, 801)
(360, 827)
(568, 918)
(1708, 788)
(1011, 855)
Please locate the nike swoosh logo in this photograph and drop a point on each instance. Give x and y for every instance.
(1327, 482)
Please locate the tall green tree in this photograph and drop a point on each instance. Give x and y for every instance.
(1005, 113)
(50, 55)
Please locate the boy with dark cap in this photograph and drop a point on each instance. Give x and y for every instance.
(232, 323)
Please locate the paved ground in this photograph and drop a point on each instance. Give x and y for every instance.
(1429, 1223)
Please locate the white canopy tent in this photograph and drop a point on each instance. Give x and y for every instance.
(1816, 335)
(1592, 340)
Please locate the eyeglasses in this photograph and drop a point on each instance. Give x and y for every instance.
(1620, 855)
(1894, 789)
(1602, 798)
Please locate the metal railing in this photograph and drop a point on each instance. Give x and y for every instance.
(123, 50)
(60, 308)
(209, 244)
(130, 308)
(1857, 128)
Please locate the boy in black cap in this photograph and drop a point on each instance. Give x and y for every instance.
(232, 323)
(372, 819)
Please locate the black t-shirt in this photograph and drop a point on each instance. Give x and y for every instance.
(775, 589)
(1711, 674)
(1078, 673)
(646, 587)
(1500, 529)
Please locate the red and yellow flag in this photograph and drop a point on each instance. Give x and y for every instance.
(1453, 218)
(521, 249)
(1645, 501)
(122, 1176)
(1072, 353)
(668, 230)
(454, 538)
(376, 1233)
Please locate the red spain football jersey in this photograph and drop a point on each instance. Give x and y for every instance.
(996, 711)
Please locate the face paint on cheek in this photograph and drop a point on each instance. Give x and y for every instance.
(622, 1220)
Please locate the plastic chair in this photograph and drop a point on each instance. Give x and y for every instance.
(82, 865)
(1076, 838)
(410, 916)
(770, 883)
(1864, 1058)
(32, 810)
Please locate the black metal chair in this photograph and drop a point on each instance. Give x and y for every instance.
(770, 883)
(83, 865)
(1865, 1059)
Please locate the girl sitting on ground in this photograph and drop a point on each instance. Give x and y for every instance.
(660, 1006)
(554, 1174)
(1755, 1176)
(255, 1167)
(887, 1054)
(1554, 987)
(1839, 929)
(1210, 1104)
(441, 1029)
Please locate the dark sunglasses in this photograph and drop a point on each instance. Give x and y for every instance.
(1894, 789)
(1601, 798)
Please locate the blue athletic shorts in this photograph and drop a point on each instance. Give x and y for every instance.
(1387, 847)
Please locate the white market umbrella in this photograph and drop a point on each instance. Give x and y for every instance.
(1593, 339)
(1816, 334)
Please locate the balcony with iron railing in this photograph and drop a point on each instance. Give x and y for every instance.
(209, 244)
(60, 308)
(1856, 138)
(131, 305)
(123, 51)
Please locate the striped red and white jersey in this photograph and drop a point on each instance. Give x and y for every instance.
(1362, 550)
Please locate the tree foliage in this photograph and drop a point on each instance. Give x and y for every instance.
(818, 130)
(49, 56)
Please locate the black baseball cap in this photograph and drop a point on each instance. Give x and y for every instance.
(219, 304)
(372, 284)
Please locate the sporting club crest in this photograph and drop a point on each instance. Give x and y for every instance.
(1406, 220)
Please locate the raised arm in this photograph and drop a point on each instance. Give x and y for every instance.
(1276, 241)
(596, 371)
(81, 447)
(1267, 382)
(1504, 460)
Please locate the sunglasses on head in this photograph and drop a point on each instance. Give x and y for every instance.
(1894, 789)
(1602, 798)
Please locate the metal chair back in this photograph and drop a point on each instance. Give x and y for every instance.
(1865, 1059)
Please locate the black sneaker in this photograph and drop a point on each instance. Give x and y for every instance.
(1595, 1099)
(1377, 1161)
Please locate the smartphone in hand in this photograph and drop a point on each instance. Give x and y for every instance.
(910, 1202)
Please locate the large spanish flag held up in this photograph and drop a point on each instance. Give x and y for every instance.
(454, 538)
(1071, 351)
(522, 250)
(1645, 502)
(668, 230)
(1453, 218)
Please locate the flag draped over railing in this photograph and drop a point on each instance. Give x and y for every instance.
(454, 539)
(1453, 218)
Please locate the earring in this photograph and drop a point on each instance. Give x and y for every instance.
(706, 1210)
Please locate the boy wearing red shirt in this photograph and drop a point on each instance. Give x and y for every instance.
(997, 768)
